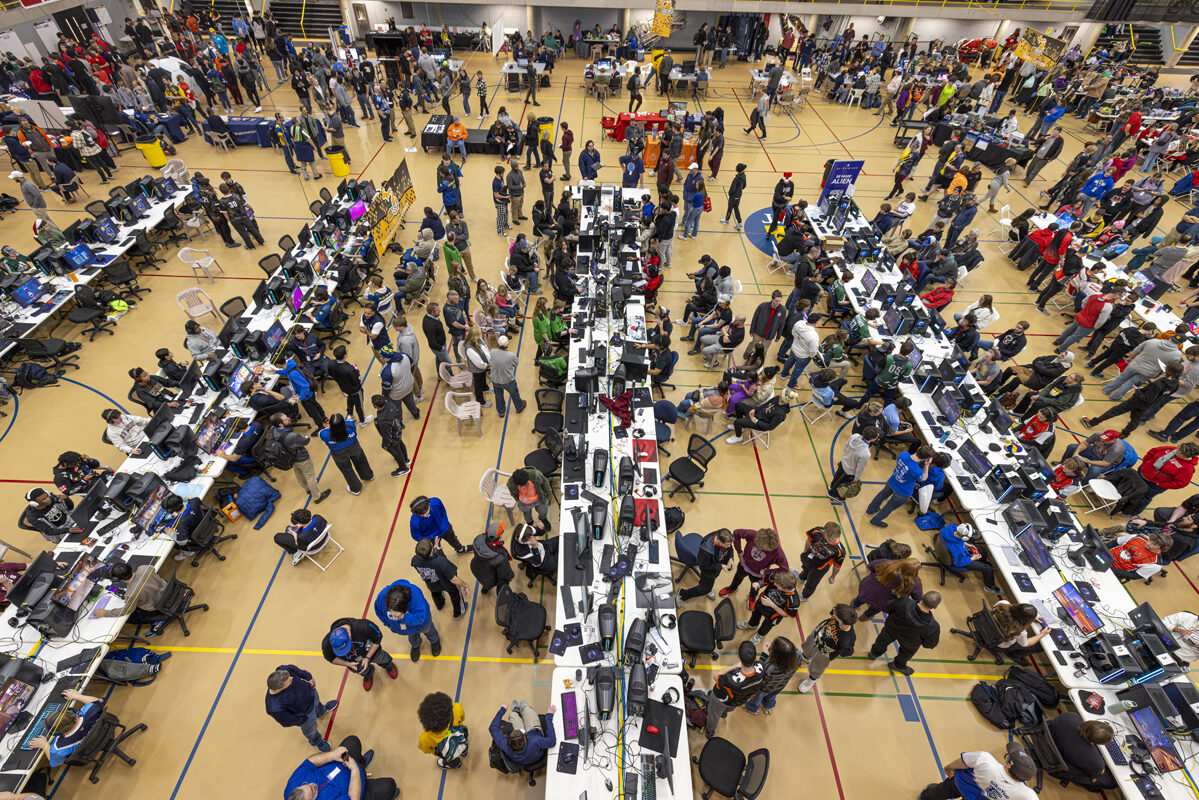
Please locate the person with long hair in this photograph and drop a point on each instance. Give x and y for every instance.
(887, 580)
(341, 437)
(777, 663)
(478, 361)
(1016, 623)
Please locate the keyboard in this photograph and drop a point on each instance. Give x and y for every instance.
(24, 756)
(1117, 755)
(570, 716)
(80, 660)
(649, 778)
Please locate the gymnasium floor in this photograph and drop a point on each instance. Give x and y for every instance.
(864, 733)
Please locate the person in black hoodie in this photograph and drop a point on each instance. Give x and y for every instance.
(736, 188)
(1078, 744)
(911, 624)
(715, 554)
(1010, 343)
(784, 190)
(1128, 338)
(1142, 400)
(1042, 371)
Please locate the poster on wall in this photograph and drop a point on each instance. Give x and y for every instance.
(387, 209)
(47, 32)
(1043, 52)
(663, 17)
(9, 43)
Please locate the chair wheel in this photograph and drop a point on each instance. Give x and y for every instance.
(998, 660)
(971, 658)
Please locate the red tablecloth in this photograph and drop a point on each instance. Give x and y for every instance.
(649, 121)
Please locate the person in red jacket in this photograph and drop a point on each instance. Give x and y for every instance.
(1165, 468)
(1094, 314)
(940, 296)
(1030, 249)
(1051, 255)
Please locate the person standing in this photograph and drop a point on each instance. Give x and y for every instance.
(286, 449)
(912, 625)
(784, 190)
(341, 437)
(1047, 150)
(32, 196)
(566, 145)
(435, 335)
(735, 190)
(854, 460)
(759, 554)
(757, 117)
(292, 701)
(735, 686)
(402, 609)
(347, 377)
(516, 190)
(430, 521)
(481, 91)
(771, 599)
(397, 381)
(389, 423)
(833, 637)
(500, 196)
(778, 663)
(715, 554)
(503, 376)
(531, 78)
(909, 471)
(356, 644)
(406, 343)
(822, 552)
(443, 729)
(461, 241)
(440, 576)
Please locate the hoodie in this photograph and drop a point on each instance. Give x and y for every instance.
(804, 340)
(1173, 471)
(911, 624)
(1148, 356)
(432, 526)
(414, 621)
(856, 457)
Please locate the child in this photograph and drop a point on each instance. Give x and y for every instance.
(833, 637)
(442, 730)
(771, 599)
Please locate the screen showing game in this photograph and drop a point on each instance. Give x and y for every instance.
(272, 338)
(209, 435)
(1034, 549)
(241, 379)
(949, 407)
(297, 299)
(1080, 612)
(892, 321)
(357, 210)
(869, 282)
(151, 511)
(914, 356)
(140, 204)
(1161, 749)
(75, 590)
(105, 229)
(974, 459)
(13, 699)
(78, 256)
(27, 292)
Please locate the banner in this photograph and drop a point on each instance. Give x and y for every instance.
(663, 18)
(1043, 52)
(841, 178)
(386, 213)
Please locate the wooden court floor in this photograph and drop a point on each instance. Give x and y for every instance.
(863, 734)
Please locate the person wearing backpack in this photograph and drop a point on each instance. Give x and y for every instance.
(403, 609)
(443, 729)
(285, 448)
(292, 701)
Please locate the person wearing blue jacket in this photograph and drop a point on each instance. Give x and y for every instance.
(909, 471)
(589, 161)
(403, 609)
(430, 521)
(966, 556)
(301, 385)
(526, 744)
(1095, 188)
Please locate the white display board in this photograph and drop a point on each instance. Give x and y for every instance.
(9, 43)
(47, 32)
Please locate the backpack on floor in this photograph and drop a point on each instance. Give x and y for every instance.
(986, 701)
(32, 376)
(453, 747)
(695, 708)
(132, 666)
(544, 80)
(1041, 689)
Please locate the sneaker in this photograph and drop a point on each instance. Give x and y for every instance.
(181, 556)
(683, 236)
(486, 404)
(396, 473)
(737, 227)
(370, 418)
(806, 685)
(415, 654)
(743, 625)
(259, 108)
(296, 558)
(1088, 422)
(724, 222)
(367, 683)
(324, 494)
(392, 672)
(905, 669)
(734, 440)
(840, 412)
(877, 524)
(993, 589)
(367, 758)
(330, 706)
(711, 595)
(436, 650)
(351, 491)
(756, 638)
(324, 746)
(833, 497)
(466, 548)
(1159, 435)
(725, 592)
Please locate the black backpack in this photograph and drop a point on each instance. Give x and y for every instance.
(986, 700)
(1041, 689)
(271, 451)
(31, 376)
(674, 518)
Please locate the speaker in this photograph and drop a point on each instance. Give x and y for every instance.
(607, 625)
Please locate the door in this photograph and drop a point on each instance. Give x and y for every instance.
(361, 20)
(74, 23)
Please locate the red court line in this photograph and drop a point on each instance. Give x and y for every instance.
(834, 133)
(15, 480)
(828, 742)
(764, 150)
(387, 542)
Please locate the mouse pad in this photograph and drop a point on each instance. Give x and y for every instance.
(557, 644)
(669, 722)
(568, 758)
(574, 634)
(591, 652)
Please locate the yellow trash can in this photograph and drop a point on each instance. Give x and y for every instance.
(545, 127)
(151, 149)
(337, 161)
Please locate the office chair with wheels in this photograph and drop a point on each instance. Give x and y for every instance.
(315, 207)
(724, 769)
(208, 534)
(91, 312)
(942, 560)
(527, 556)
(103, 740)
(549, 411)
(118, 192)
(268, 264)
(520, 619)
(666, 414)
(336, 330)
(175, 603)
(52, 350)
(326, 195)
(661, 381)
(143, 250)
(984, 632)
(701, 632)
(96, 208)
(234, 307)
(122, 276)
(1038, 743)
(171, 229)
(548, 458)
(686, 549)
(689, 470)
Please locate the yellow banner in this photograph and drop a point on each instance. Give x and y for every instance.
(387, 209)
(1043, 52)
(663, 16)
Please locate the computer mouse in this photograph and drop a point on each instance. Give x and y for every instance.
(994, 447)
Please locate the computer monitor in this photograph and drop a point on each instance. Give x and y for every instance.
(914, 356)
(974, 459)
(892, 320)
(209, 434)
(27, 292)
(240, 380)
(1079, 610)
(1161, 748)
(357, 210)
(104, 229)
(274, 336)
(78, 256)
(190, 380)
(1035, 553)
(1091, 550)
(869, 282)
(90, 503)
(139, 204)
(297, 299)
(949, 406)
(151, 509)
(77, 585)
(14, 697)
(522, 62)
(260, 297)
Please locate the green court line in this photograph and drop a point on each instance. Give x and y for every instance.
(881, 696)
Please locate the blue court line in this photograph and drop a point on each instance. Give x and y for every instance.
(97, 391)
(12, 418)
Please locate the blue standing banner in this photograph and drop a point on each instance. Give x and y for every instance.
(841, 178)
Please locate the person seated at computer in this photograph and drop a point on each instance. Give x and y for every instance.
(1185, 627)
(519, 735)
(1103, 452)
(10, 571)
(1019, 625)
(532, 546)
(307, 349)
(171, 369)
(1078, 744)
(70, 729)
(1039, 431)
(74, 473)
(14, 263)
(142, 587)
(181, 517)
(1136, 548)
(199, 341)
(305, 528)
(49, 513)
(1037, 375)
(151, 391)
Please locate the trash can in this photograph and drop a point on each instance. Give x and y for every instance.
(337, 161)
(151, 149)
(546, 126)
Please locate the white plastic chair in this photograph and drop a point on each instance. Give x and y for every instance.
(737, 287)
(457, 381)
(462, 405)
(176, 170)
(1101, 495)
(708, 414)
(805, 77)
(200, 261)
(196, 303)
(488, 329)
(776, 264)
(493, 487)
(819, 410)
(197, 222)
(855, 96)
(318, 545)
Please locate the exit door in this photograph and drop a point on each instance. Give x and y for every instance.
(75, 23)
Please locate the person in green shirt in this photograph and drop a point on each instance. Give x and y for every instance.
(14, 263)
(47, 233)
(548, 327)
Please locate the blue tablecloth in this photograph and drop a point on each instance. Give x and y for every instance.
(252, 130)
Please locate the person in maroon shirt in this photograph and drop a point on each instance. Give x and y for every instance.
(759, 554)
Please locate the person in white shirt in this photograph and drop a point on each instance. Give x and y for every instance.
(124, 431)
(199, 341)
(980, 774)
(805, 343)
(983, 310)
(1185, 627)
(905, 207)
(1010, 124)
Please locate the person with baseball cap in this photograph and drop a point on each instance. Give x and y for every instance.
(1102, 452)
(981, 775)
(503, 376)
(356, 644)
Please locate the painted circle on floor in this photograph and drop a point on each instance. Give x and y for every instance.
(755, 229)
